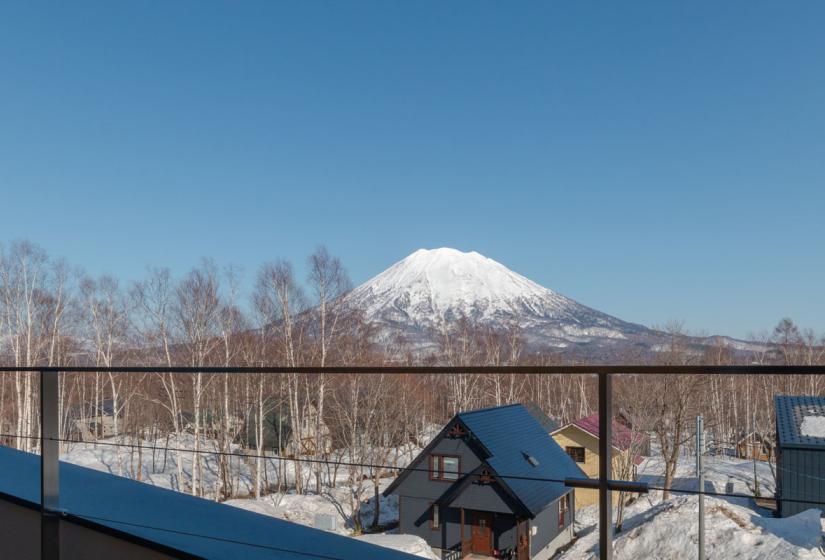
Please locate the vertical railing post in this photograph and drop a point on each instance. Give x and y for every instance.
(700, 471)
(605, 466)
(49, 466)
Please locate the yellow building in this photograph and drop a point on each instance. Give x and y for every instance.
(580, 440)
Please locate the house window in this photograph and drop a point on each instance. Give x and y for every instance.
(435, 519)
(576, 453)
(562, 511)
(445, 467)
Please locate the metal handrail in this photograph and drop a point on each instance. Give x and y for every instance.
(50, 497)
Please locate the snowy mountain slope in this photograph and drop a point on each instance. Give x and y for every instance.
(426, 291)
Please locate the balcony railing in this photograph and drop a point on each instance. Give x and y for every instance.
(50, 435)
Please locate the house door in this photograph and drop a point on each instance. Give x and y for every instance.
(523, 540)
(481, 532)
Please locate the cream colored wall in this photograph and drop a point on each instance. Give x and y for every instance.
(575, 437)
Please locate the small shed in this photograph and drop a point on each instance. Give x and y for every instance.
(754, 445)
(800, 454)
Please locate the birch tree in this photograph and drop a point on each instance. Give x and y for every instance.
(197, 311)
(329, 283)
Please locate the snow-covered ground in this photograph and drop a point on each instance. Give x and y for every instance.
(734, 526)
(666, 530)
(656, 529)
(404, 543)
(167, 467)
(336, 502)
(719, 471)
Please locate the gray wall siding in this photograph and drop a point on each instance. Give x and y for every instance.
(483, 497)
(801, 473)
(504, 530)
(418, 483)
(547, 524)
(415, 520)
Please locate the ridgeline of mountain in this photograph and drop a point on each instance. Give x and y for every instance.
(421, 296)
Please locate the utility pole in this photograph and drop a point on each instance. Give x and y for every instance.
(700, 472)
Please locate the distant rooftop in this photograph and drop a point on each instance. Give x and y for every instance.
(622, 435)
(791, 413)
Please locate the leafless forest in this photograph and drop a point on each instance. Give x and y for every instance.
(50, 314)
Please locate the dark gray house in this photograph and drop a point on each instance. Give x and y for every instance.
(800, 454)
(479, 487)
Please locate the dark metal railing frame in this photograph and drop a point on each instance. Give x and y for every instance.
(50, 444)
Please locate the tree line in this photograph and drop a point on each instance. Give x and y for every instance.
(51, 314)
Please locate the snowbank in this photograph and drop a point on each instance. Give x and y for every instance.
(669, 530)
(296, 508)
(403, 543)
(302, 508)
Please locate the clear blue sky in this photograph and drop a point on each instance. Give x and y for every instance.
(655, 160)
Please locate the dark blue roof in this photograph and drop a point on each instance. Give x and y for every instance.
(550, 425)
(789, 414)
(140, 510)
(512, 435)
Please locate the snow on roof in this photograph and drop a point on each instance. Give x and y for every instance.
(792, 429)
(194, 526)
(813, 426)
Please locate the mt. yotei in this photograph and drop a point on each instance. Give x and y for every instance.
(424, 293)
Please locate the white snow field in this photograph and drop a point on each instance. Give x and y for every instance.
(302, 508)
(160, 468)
(668, 530)
(173, 469)
(734, 526)
(403, 543)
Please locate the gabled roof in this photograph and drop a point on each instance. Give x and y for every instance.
(512, 436)
(518, 450)
(790, 414)
(136, 511)
(622, 435)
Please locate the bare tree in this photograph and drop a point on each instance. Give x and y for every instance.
(329, 283)
(197, 311)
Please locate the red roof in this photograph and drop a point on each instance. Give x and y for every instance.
(622, 435)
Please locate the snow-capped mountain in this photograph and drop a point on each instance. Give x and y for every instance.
(421, 294)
